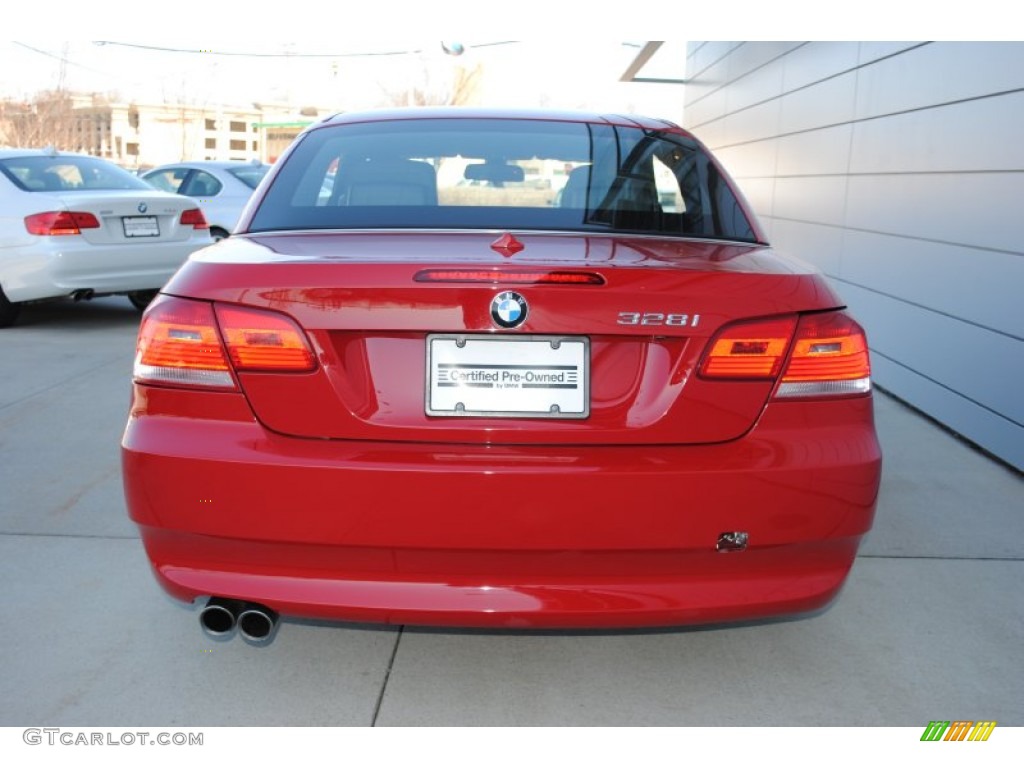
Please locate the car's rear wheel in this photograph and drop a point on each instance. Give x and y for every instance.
(141, 299)
(8, 310)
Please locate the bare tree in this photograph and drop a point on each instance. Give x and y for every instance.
(48, 119)
(431, 90)
(465, 84)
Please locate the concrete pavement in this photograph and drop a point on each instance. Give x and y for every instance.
(929, 626)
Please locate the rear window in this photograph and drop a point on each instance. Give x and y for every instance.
(45, 173)
(168, 179)
(501, 174)
(251, 176)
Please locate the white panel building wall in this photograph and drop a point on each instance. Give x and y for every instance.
(898, 169)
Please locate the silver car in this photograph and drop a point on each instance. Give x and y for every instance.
(222, 189)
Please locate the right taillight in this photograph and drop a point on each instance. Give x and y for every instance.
(829, 357)
(192, 343)
(812, 355)
(193, 217)
(749, 349)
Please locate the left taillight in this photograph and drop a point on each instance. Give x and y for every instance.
(179, 344)
(55, 223)
(193, 217)
(263, 340)
(191, 343)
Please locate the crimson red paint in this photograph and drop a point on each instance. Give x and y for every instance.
(397, 423)
(507, 245)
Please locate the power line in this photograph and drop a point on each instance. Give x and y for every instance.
(263, 55)
(60, 57)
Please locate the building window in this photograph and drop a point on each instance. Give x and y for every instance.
(237, 144)
(211, 125)
(237, 126)
(211, 144)
(132, 148)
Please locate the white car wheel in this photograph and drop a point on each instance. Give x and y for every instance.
(8, 310)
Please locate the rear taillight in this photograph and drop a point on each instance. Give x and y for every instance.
(260, 340)
(749, 350)
(190, 343)
(179, 344)
(55, 223)
(819, 354)
(830, 357)
(194, 218)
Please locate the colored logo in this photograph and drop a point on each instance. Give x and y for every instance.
(958, 730)
(143, 207)
(509, 309)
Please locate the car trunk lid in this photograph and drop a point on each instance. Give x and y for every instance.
(131, 217)
(379, 307)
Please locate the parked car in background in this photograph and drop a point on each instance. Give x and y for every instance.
(79, 226)
(221, 188)
(395, 397)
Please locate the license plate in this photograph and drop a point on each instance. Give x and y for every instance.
(140, 226)
(524, 376)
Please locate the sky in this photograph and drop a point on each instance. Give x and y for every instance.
(578, 74)
(328, 55)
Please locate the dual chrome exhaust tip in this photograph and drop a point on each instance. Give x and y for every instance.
(221, 616)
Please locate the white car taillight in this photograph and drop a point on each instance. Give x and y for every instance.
(193, 217)
(53, 223)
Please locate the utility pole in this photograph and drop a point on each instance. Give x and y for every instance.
(63, 71)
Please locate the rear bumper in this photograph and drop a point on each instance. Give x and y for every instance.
(59, 266)
(500, 536)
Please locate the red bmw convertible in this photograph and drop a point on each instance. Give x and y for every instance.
(506, 369)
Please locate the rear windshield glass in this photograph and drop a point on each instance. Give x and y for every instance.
(501, 174)
(44, 173)
(251, 175)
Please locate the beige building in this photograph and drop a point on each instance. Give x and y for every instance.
(137, 135)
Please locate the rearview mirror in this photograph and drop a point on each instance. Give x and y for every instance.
(496, 173)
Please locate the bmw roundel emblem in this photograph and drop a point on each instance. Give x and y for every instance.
(509, 309)
(143, 207)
